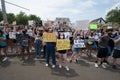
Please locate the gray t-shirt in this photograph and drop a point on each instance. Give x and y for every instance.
(104, 42)
(117, 46)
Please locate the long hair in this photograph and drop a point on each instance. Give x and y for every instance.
(59, 36)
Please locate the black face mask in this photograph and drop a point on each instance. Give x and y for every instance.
(24, 32)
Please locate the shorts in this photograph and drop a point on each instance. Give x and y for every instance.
(25, 47)
(109, 51)
(102, 52)
(62, 51)
(77, 50)
(14, 41)
(116, 53)
(2, 46)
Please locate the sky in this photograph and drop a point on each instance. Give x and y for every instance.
(73, 9)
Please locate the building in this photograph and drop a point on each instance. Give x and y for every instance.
(98, 21)
(62, 20)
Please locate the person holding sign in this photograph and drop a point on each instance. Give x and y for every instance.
(38, 44)
(50, 46)
(76, 46)
(12, 38)
(30, 33)
(25, 41)
(62, 53)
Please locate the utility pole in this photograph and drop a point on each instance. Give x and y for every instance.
(4, 11)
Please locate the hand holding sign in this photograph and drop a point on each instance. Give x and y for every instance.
(79, 44)
(49, 37)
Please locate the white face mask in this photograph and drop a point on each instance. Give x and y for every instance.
(61, 37)
(78, 37)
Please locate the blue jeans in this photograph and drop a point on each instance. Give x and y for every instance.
(37, 45)
(50, 51)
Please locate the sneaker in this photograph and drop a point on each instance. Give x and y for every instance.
(4, 59)
(22, 62)
(60, 66)
(46, 65)
(96, 65)
(114, 66)
(103, 65)
(53, 66)
(30, 51)
(67, 68)
(70, 61)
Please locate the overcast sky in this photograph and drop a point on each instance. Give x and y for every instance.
(73, 9)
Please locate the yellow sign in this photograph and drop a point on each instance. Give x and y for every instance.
(63, 44)
(49, 37)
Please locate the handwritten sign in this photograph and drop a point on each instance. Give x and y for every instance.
(12, 35)
(63, 44)
(79, 44)
(49, 37)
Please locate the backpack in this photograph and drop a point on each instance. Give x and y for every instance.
(18, 38)
(25, 40)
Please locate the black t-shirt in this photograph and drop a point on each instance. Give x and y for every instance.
(71, 40)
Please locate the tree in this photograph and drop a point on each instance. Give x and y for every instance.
(113, 16)
(10, 17)
(33, 17)
(22, 19)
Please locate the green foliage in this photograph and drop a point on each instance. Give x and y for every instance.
(21, 19)
(33, 17)
(113, 16)
(10, 17)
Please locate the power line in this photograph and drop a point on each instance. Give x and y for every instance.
(17, 5)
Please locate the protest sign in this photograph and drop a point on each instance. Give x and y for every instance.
(82, 25)
(14, 23)
(93, 26)
(30, 22)
(63, 44)
(49, 37)
(12, 35)
(79, 44)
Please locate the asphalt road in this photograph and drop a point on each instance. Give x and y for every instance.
(13, 69)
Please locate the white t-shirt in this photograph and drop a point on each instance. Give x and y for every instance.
(67, 35)
(30, 32)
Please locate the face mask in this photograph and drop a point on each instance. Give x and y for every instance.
(61, 37)
(24, 32)
(78, 37)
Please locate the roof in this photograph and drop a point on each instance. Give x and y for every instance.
(98, 19)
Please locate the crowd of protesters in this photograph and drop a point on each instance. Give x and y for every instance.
(26, 38)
